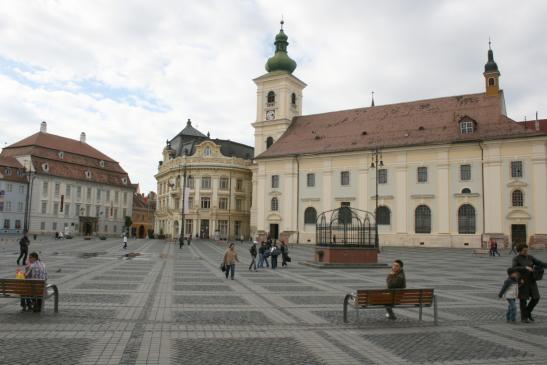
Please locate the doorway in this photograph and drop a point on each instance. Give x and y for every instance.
(274, 231)
(518, 234)
(141, 231)
(87, 229)
(204, 228)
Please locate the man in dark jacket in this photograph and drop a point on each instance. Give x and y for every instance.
(525, 265)
(253, 252)
(23, 248)
(395, 280)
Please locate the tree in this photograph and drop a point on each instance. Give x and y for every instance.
(128, 222)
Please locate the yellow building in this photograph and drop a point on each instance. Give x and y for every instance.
(217, 195)
(452, 171)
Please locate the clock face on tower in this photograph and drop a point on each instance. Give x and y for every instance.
(270, 115)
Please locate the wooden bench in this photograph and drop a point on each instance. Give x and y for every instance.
(380, 298)
(29, 289)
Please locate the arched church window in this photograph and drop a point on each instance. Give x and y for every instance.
(207, 151)
(466, 219)
(517, 198)
(271, 97)
(269, 142)
(310, 215)
(422, 222)
(491, 81)
(383, 215)
(275, 205)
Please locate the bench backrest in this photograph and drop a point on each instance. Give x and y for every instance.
(22, 287)
(395, 297)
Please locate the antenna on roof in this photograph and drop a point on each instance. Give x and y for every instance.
(372, 103)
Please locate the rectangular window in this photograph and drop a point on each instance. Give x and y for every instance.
(344, 216)
(105, 228)
(206, 182)
(116, 196)
(239, 185)
(77, 210)
(44, 207)
(516, 168)
(21, 188)
(6, 223)
(88, 194)
(223, 228)
(57, 189)
(115, 228)
(9, 188)
(97, 211)
(43, 226)
(79, 192)
(88, 210)
(205, 202)
(98, 195)
(45, 188)
(68, 188)
(124, 212)
(54, 226)
(223, 184)
(344, 178)
(8, 206)
(382, 176)
(223, 203)
(310, 180)
(275, 181)
(125, 198)
(20, 207)
(67, 210)
(116, 213)
(465, 172)
(422, 174)
(55, 208)
(239, 204)
(188, 227)
(190, 202)
(17, 224)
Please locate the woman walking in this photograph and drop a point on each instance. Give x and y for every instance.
(230, 259)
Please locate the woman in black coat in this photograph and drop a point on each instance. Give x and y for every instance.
(526, 264)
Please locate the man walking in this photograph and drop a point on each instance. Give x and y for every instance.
(181, 241)
(527, 266)
(23, 248)
(253, 252)
(189, 239)
(395, 280)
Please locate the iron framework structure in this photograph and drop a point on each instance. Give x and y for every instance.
(346, 227)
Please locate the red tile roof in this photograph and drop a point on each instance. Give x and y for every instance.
(531, 124)
(15, 169)
(422, 122)
(76, 158)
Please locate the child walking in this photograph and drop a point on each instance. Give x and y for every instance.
(510, 291)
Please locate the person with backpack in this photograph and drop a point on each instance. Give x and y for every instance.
(24, 242)
(531, 271)
(253, 252)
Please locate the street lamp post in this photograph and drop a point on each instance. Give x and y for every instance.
(376, 161)
(183, 221)
(30, 178)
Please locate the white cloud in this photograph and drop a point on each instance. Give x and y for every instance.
(130, 73)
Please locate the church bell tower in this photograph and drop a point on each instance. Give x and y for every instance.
(491, 74)
(279, 96)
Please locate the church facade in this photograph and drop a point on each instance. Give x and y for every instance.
(451, 171)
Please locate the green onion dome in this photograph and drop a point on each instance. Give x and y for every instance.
(281, 60)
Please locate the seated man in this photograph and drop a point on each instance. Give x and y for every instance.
(395, 280)
(36, 270)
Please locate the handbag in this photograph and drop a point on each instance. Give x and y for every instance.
(537, 274)
(288, 259)
(222, 267)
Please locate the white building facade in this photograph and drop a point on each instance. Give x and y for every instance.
(13, 196)
(454, 171)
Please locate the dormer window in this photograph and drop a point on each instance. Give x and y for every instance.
(45, 167)
(271, 97)
(467, 126)
(101, 163)
(88, 174)
(61, 155)
(8, 171)
(207, 151)
(124, 180)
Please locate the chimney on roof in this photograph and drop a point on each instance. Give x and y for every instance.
(43, 127)
(82, 137)
(537, 122)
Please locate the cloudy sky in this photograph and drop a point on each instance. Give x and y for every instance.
(130, 73)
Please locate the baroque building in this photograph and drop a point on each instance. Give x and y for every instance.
(13, 195)
(74, 188)
(144, 210)
(454, 170)
(216, 198)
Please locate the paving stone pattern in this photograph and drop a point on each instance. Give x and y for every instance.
(173, 306)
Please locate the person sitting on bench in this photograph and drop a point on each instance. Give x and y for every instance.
(35, 270)
(395, 280)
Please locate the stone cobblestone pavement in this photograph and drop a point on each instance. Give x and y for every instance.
(173, 306)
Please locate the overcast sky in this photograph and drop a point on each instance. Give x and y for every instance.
(130, 73)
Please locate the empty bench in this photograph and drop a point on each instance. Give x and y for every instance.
(29, 289)
(380, 298)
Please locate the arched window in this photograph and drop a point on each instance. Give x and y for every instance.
(466, 191)
(293, 99)
(207, 151)
(271, 97)
(310, 215)
(383, 216)
(467, 126)
(422, 217)
(269, 142)
(275, 205)
(466, 219)
(491, 81)
(517, 198)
